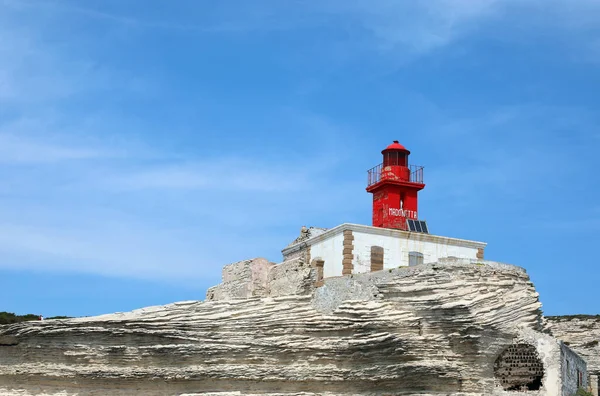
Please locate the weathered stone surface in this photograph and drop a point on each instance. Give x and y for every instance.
(294, 277)
(304, 251)
(582, 334)
(243, 279)
(425, 330)
(260, 278)
(307, 233)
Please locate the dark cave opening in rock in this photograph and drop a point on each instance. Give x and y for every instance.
(519, 368)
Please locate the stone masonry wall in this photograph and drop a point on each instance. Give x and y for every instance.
(574, 371)
(348, 253)
(260, 278)
(582, 334)
(243, 279)
(294, 277)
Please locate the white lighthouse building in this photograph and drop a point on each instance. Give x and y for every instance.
(397, 236)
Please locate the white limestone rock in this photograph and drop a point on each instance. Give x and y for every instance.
(425, 330)
(582, 334)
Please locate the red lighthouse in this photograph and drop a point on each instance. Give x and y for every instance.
(395, 185)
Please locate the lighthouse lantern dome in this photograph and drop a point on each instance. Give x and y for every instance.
(395, 155)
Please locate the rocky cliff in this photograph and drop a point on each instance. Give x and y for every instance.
(434, 329)
(582, 334)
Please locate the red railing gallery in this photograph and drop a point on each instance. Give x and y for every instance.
(375, 174)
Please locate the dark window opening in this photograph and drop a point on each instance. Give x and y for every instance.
(394, 158)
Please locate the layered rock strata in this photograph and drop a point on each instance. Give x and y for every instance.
(582, 334)
(427, 330)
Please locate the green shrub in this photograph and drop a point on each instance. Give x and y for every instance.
(571, 317)
(9, 318)
(583, 392)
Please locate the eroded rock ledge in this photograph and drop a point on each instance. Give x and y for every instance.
(434, 329)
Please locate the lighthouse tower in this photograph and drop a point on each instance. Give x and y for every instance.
(395, 185)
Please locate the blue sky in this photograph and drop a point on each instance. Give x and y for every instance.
(145, 144)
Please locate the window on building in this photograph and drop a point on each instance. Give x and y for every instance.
(377, 253)
(395, 158)
(415, 258)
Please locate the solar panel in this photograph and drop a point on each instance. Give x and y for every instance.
(411, 225)
(417, 226)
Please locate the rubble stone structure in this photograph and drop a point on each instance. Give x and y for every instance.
(448, 328)
(582, 334)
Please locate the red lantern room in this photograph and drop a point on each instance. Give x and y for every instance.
(395, 185)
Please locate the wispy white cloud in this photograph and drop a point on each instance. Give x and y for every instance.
(513, 151)
(76, 197)
(81, 10)
(116, 249)
(418, 26)
(132, 218)
(217, 174)
(39, 67)
(28, 72)
(18, 150)
(403, 29)
(85, 203)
